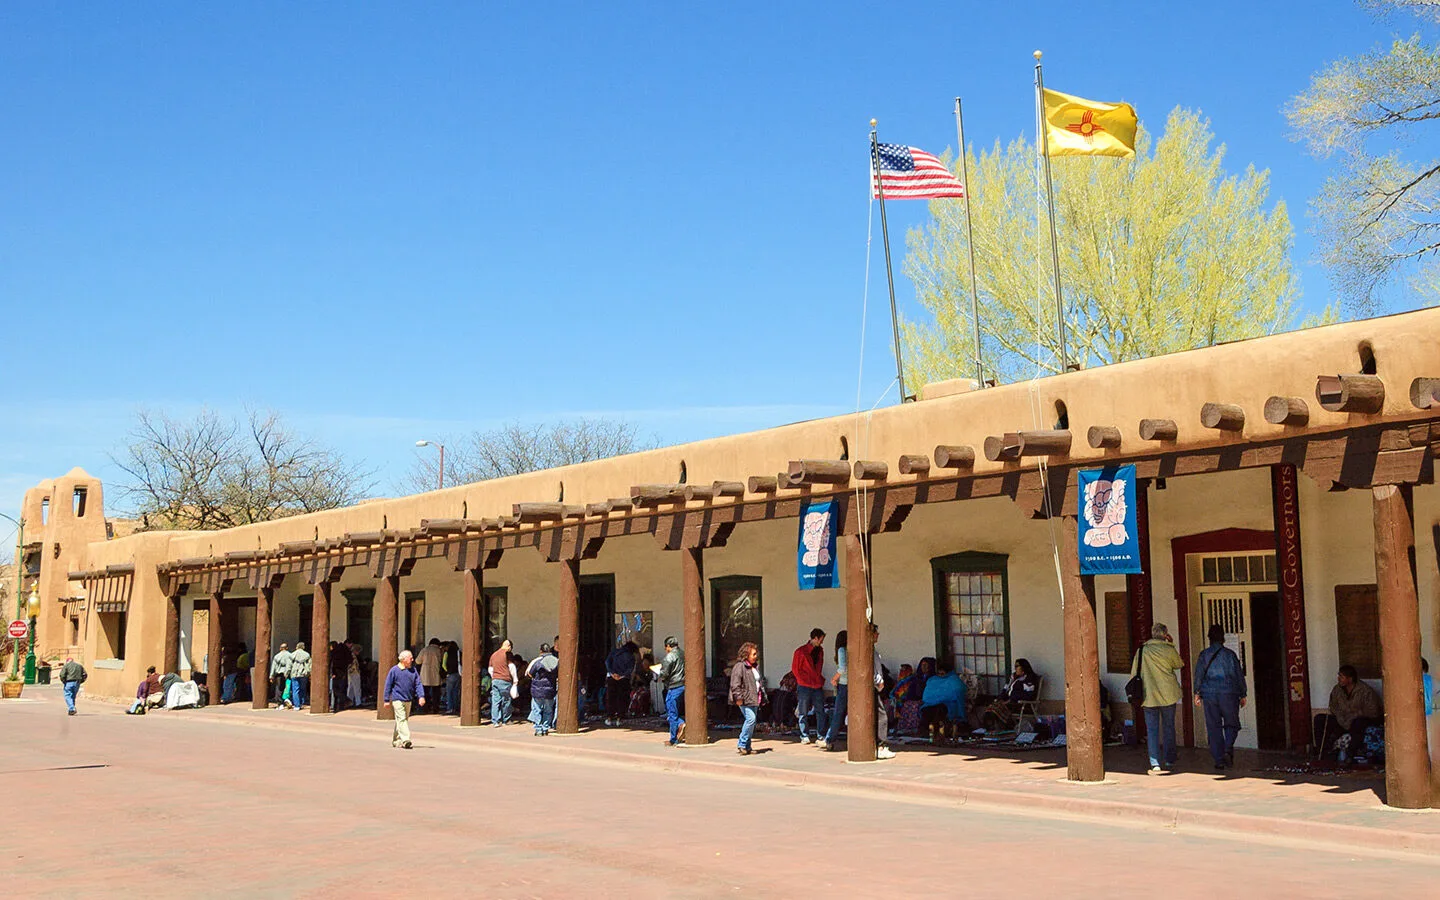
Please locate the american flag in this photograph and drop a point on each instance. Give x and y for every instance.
(909, 173)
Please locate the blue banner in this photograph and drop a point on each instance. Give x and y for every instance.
(1109, 537)
(815, 554)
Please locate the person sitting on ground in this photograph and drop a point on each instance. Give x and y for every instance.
(908, 686)
(1354, 707)
(148, 693)
(943, 703)
(783, 702)
(1024, 685)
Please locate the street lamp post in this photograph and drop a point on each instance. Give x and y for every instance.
(442, 457)
(19, 582)
(34, 610)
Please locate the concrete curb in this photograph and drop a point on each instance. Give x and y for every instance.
(1210, 823)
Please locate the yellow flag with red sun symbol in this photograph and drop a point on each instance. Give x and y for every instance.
(1075, 126)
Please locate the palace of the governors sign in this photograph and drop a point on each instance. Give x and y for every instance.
(1279, 484)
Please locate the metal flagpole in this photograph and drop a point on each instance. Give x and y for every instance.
(1044, 143)
(970, 242)
(889, 275)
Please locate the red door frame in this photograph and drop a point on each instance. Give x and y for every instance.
(1225, 540)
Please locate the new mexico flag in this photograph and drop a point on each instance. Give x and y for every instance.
(1078, 127)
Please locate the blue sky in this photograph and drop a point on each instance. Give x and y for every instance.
(395, 221)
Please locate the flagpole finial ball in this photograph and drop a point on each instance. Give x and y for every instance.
(874, 122)
(1037, 54)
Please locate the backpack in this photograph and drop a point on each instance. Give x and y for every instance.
(1135, 687)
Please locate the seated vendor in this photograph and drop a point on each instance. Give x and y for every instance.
(944, 701)
(1024, 685)
(1354, 707)
(907, 687)
(148, 693)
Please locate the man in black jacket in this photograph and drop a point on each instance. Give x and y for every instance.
(72, 675)
(672, 682)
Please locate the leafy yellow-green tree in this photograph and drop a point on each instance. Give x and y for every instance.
(1161, 253)
(1379, 215)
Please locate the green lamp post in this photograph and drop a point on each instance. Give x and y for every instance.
(33, 606)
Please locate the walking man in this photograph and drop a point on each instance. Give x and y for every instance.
(402, 687)
(299, 676)
(672, 682)
(619, 669)
(280, 676)
(808, 667)
(1220, 688)
(1157, 662)
(72, 675)
(339, 672)
(502, 684)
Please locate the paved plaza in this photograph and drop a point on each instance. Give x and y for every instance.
(198, 804)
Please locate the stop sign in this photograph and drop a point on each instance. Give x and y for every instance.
(18, 629)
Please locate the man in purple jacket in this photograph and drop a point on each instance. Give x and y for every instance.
(402, 687)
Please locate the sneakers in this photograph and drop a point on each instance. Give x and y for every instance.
(670, 743)
(1156, 770)
(822, 743)
(680, 732)
(804, 738)
(743, 751)
(407, 745)
(884, 753)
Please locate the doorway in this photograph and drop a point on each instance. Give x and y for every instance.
(1251, 620)
(597, 627)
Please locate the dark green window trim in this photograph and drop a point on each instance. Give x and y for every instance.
(967, 562)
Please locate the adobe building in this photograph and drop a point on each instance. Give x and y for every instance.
(1287, 493)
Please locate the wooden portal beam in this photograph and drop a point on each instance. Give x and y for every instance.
(1287, 411)
(1158, 430)
(215, 661)
(1084, 753)
(954, 456)
(260, 670)
(817, 471)
(1103, 437)
(387, 622)
(704, 492)
(1407, 763)
(860, 732)
(914, 464)
(1222, 416)
(871, 470)
(1350, 393)
(728, 489)
(320, 652)
(763, 484)
(655, 494)
(471, 617)
(567, 712)
(537, 512)
(692, 578)
(1425, 393)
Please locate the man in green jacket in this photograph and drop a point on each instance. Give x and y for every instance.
(1158, 662)
(72, 675)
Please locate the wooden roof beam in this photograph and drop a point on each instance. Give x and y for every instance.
(1222, 417)
(817, 471)
(1425, 393)
(1014, 444)
(728, 489)
(954, 456)
(699, 492)
(871, 470)
(1287, 411)
(436, 527)
(914, 464)
(1350, 393)
(655, 494)
(764, 484)
(1159, 430)
(1103, 437)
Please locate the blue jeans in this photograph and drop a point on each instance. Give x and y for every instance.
(542, 714)
(837, 717)
(672, 711)
(227, 687)
(499, 702)
(1222, 723)
(747, 731)
(451, 701)
(71, 689)
(811, 700)
(299, 691)
(1156, 718)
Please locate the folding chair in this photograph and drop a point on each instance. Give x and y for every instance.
(1029, 708)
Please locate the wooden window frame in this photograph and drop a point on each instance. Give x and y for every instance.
(969, 562)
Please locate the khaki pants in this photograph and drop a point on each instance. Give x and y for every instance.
(402, 722)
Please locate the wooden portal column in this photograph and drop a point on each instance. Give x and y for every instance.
(387, 604)
(1407, 762)
(860, 738)
(470, 650)
(172, 634)
(1084, 740)
(215, 662)
(567, 711)
(320, 653)
(697, 712)
(260, 674)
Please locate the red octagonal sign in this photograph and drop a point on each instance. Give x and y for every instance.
(18, 629)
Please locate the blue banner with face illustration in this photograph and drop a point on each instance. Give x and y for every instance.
(815, 554)
(1109, 537)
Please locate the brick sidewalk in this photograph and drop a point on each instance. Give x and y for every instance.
(1342, 810)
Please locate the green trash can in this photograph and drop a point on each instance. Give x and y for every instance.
(42, 674)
